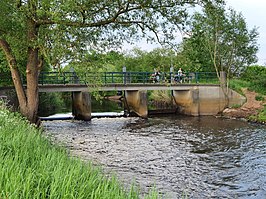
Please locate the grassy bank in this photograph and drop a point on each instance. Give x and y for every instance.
(31, 167)
(258, 87)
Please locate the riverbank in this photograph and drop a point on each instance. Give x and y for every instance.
(250, 110)
(32, 167)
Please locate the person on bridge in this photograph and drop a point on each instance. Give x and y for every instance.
(157, 75)
(178, 77)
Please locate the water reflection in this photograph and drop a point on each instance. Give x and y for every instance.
(201, 157)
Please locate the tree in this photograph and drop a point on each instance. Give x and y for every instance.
(221, 41)
(141, 60)
(56, 31)
(97, 61)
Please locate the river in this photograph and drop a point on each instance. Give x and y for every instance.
(185, 157)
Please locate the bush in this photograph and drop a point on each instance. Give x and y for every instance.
(238, 84)
(261, 117)
(256, 76)
(50, 103)
(253, 72)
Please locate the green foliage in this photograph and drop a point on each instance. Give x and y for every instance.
(253, 78)
(68, 29)
(159, 58)
(5, 76)
(238, 85)
(220, 40)
(160, 99)
(136, 60)
(159, 95)
(50, 103)
(259, 98)
(253, 72)
(261, 117)
(235, 106)
(12, 29)
(106, 105)
(31, 167)
(256, 75)
(96, 61)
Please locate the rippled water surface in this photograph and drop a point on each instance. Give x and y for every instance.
(197, 157)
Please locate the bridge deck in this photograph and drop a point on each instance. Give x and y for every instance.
(111, 81)
(116, 87)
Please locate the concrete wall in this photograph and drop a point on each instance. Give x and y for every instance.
(205, 100)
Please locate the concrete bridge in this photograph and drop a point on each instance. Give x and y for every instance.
(198, 94)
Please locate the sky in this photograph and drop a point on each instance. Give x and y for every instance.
(255, 15)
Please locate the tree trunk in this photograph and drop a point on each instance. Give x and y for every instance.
(32, 86)
(15, 75)
(29, 100)
(32, 73)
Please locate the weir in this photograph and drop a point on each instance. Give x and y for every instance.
(193, 98)
(194, 101)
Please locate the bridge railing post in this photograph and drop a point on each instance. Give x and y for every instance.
(197, 77)
(124, 75)
(171, 75)
(40, 78)
(105, 78)
(64, 78)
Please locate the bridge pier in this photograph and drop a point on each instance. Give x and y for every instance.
(187, 101)
(81, 105)
(136, 101)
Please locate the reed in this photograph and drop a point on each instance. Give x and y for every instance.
(31, 167)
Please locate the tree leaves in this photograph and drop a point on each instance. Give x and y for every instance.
(223, 37)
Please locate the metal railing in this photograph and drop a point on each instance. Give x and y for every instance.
(105, 78)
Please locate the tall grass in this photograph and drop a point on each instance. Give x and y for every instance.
(31, 167)
(238, 85)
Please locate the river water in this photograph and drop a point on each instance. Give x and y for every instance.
(185, 157)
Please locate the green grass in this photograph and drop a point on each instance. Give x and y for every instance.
(257, 86)
(237, 85)
(259, 97)
(261, 117)
(31, 167)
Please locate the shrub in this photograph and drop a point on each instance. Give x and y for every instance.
(256, 76)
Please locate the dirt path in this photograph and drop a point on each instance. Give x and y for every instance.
(251, 107)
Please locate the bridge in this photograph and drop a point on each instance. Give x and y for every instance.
(109, 81)
(197, 93)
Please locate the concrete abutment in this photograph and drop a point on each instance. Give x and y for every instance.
(205, 100)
